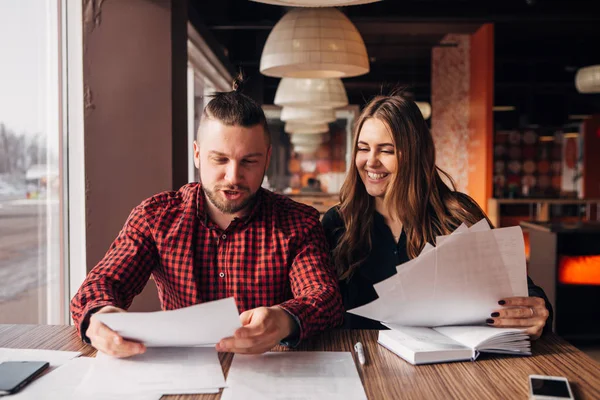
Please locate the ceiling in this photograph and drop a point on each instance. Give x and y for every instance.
(539, 44)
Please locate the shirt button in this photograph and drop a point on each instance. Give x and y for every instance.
(221, 274)
(224, 237)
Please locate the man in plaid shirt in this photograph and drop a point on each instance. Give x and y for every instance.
(225, 236)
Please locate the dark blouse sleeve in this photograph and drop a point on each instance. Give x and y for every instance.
(536, 291)
(333, 226)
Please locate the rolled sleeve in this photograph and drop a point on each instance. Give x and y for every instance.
(120, 275)
(317, 303)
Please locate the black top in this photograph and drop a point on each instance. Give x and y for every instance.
(379, 265)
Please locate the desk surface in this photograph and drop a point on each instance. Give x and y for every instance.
(386, 376)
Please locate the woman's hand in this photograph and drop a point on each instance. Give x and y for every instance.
(527, 313)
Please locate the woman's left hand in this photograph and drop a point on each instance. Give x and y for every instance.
(527, 313)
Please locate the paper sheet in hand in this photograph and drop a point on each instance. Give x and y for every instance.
(457, 282)
(294, 375)
(198, 325)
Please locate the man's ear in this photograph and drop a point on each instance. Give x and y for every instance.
(196, 154)
(268, 157)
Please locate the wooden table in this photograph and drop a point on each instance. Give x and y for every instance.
(386, 376)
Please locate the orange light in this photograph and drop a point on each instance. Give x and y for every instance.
(579, 270)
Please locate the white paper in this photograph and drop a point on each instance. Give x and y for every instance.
(54, 357)
(165, 370)
(198, 325)
(63, 383)
(457, 282)
(294, 375)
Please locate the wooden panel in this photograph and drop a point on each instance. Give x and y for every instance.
(591, 161)
(481, 119)
(386, 376)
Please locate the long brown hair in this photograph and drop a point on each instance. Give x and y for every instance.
(417, 195)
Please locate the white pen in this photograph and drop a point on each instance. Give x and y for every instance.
(360, 352)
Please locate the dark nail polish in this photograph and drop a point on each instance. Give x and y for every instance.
(495, 314)
(502, 302)
(489, 321)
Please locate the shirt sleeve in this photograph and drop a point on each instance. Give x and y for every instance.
(536, 291)
(317, 303)
(120, 275)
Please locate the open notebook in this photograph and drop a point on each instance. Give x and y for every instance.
(419, 345)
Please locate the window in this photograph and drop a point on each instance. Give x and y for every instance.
(32, 182)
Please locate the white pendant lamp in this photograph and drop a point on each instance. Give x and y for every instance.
(315, 93)
(315, 3)
(315, 115)
(314, 43)
(587, 80)
(307, 140)
(306, 149)
(425, 108)
(304, 128)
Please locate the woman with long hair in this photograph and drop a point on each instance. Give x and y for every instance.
(393, 201)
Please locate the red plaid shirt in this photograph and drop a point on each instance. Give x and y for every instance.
(277, 255)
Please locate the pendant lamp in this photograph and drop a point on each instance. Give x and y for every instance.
(314, 43)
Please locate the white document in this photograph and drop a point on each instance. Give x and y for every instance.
(199, 325)
(55, 358)
(63, 383)
(164, 370)
(294, 375)
(457, 282)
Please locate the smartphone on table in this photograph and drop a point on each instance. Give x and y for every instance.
(543, 387)
(14, 375)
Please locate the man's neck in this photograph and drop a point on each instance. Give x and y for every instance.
(220, 218)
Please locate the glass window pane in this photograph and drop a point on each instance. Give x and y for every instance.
(31, 267)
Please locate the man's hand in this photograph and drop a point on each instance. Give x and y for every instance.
(527, 313)
(108, 341)
(262, 329)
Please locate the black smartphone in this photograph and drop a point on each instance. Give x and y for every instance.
(14, 375)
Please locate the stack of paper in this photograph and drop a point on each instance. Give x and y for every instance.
(180, 357)
(150, 375)
(294, 375)
(458, 282)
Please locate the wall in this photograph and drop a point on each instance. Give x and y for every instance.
(462, 81)
(130, 95)
(450, 82)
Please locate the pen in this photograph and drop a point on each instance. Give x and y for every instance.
(360, 353)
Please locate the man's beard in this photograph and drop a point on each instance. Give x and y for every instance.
(225, 206)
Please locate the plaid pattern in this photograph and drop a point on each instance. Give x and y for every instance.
(277, 255)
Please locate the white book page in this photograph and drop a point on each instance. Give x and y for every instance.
(294, 375)
(473, 336)
(420, 339)
(201, 324)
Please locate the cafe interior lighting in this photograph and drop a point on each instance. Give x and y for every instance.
(504, 108)
(304, 128)
(587, 79)
(314, 43)
(315, 3)
(315, 115)
(425, 108)
(315, 93)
